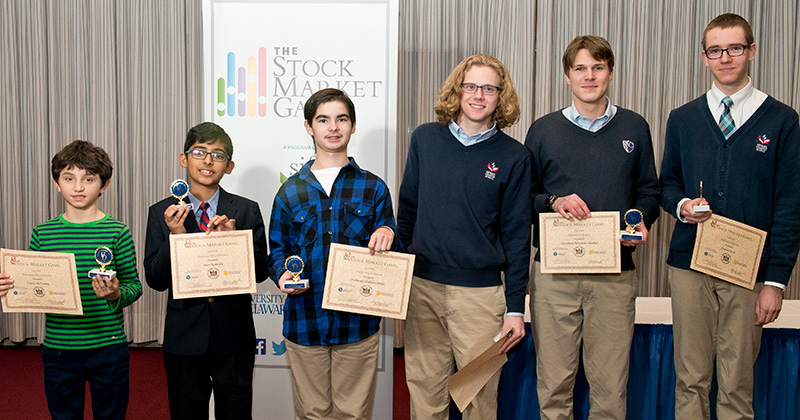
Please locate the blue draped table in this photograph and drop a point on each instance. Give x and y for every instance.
(651, 385)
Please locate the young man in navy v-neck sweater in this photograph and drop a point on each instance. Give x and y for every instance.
(745, 147)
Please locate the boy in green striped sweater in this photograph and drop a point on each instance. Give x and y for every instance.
(90, 347)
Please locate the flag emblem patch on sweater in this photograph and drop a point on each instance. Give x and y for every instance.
(627, 145)
(492, 171)
(763, 141)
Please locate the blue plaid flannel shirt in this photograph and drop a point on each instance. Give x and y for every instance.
(304, 222)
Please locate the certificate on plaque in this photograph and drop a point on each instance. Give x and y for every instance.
(728, 250)
(368, 284)
(216, 264)
(179, 190)
(575, 246)
(45, 282)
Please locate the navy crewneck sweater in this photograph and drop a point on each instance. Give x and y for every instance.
(464, 211)
(612, 169)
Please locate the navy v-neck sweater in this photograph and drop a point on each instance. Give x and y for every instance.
(753, 178)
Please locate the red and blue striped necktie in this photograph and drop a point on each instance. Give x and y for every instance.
(204, 217)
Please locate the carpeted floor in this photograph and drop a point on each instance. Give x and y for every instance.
(23, 390)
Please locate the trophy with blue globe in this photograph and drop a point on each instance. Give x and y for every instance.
(294, 265)
(633, 218)
(179, 190)
(103, 256)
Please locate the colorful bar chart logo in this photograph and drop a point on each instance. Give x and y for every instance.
(244, 91)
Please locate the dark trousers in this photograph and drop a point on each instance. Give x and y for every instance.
(67, 371)
(190, 380)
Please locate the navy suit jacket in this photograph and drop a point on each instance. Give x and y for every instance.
(223, 324)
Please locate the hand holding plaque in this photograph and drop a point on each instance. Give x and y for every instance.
(633, 218)
(179, 190)
(294, 265)
(103, 256)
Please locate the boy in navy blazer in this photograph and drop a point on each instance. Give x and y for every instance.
(209, 342)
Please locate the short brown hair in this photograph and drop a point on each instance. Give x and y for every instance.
(597, 47)
(449, 104)
(730, 20)
(83, 155)
(324, 96)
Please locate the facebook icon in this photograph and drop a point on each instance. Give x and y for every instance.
(261, 346)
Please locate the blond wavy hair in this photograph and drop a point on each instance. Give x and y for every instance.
(449, 105)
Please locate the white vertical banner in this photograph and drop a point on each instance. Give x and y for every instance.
(262, 60)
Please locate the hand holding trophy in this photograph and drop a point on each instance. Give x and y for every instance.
(633, 218)
(294, 265)
(103, 256)
(703, 207)
(179, 190)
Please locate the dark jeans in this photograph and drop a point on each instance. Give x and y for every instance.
(190, 380)
(67, 371)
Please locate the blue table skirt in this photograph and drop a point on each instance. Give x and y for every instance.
(651, 384)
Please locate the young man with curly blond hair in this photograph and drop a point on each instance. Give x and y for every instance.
(464, 211)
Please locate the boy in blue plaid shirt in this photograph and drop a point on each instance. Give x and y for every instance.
(333, 355)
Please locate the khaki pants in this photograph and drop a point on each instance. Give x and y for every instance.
(713, 319)
(593, 311)
(334, 382)
(447, 323)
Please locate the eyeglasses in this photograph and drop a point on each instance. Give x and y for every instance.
(201, 155)
(488, 90)
(733, 51)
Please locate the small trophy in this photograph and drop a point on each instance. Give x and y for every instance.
(103, 256)
(633, 218)
(703, 207)
(294, 265)
(179, 190)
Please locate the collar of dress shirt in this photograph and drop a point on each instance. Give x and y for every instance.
(212, 205)
(468, 140)
(739, 98)
(585, 123)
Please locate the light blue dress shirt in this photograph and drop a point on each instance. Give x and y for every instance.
(468, 140)
(212, 206)
(576, 118)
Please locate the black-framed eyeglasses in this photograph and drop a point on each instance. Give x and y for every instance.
(200, 154)
(733, 51)
(487, 89)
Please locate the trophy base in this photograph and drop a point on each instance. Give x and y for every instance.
(106, 274)
(299, 284)
(635, 236)
(701, 209)
(190, 206)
